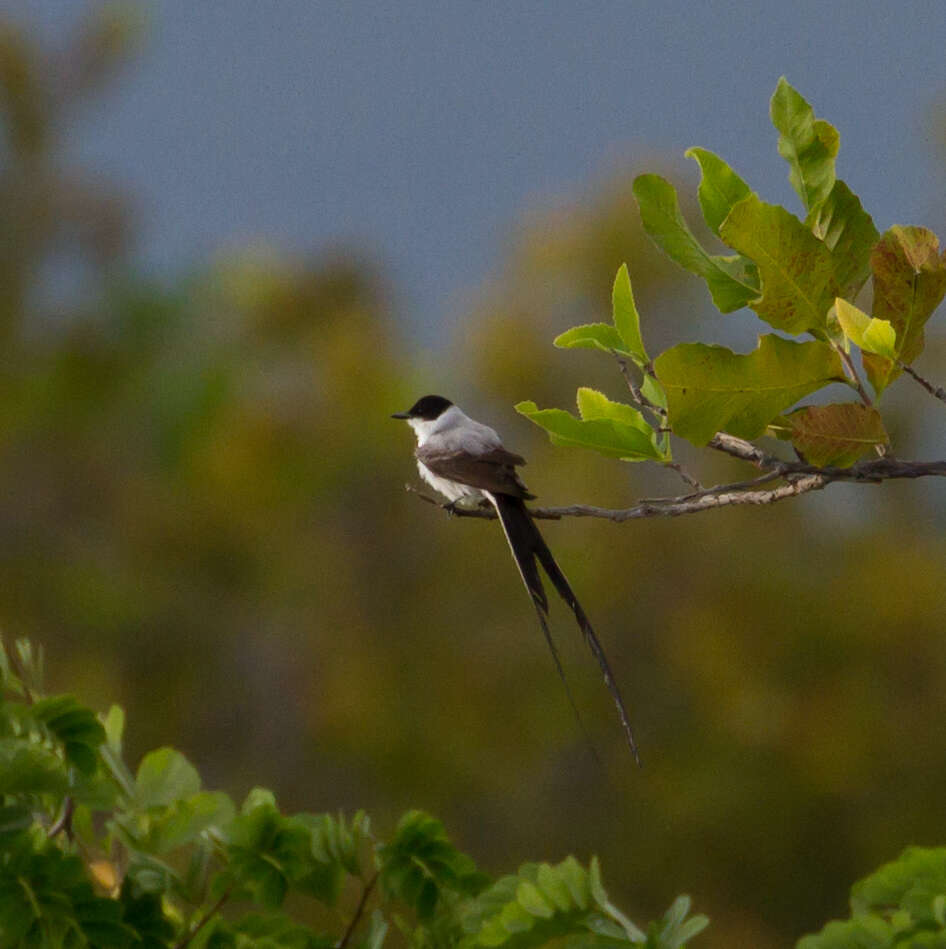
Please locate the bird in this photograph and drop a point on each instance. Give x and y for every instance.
(466, 462)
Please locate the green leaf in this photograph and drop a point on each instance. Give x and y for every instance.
(267, 852)
(554, 887)
(420, 862)
(165, 776)
(576, 879)
(720, 187)
(521, 912)
(627, 320)
(532, 901)
(75, 726)
(796, 269)
(30, 769)
(911, 882)
(849, 233)
(187, 818)
(869, 334)
(711, 388)
(809, 145)
(610, 428)
(592, 336)
(864, 932)
(909, 283)
(114, 725)
(732, 281)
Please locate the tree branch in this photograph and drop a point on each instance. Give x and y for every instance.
(936, 391)
(209, 915)
(800, 478)
(359, 909)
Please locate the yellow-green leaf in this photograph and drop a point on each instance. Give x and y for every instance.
(627, 321)
(601, 336)
(711, 388)
(732, 281)
(611, 428)
(796, 269)
(809, 145)
(869, 334)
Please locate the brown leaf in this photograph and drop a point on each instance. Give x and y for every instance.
(833, 435)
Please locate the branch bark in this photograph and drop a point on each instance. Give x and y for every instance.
(800, 478)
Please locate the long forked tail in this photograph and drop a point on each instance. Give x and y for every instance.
(528, 546)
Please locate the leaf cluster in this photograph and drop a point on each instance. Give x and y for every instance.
(93, 854)
(801, 276)
(902, 904)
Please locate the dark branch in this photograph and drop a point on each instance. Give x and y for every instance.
(64, 821)
(209, 915)
(359, 910)
(800, 478)
(938, 392)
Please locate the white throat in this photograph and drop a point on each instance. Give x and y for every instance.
(424, 428)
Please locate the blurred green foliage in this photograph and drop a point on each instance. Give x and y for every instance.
(92, 855)
(202, 516)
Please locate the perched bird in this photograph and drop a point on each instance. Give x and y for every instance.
(466, 462)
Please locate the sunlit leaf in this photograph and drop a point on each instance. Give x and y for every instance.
(601, 336)
(164, 776)
(711, 388)
(732, 281)
(809, 145)
(909, 283)
(869, 334)
(720, 187)
(796, 269)
(612, 428)
(627, 320)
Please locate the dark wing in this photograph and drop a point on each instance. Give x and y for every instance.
(493, 470)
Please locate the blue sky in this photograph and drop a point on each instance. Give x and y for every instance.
(420, 132)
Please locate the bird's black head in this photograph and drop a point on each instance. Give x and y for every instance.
(427, 408)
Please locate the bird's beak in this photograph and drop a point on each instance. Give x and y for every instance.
(401, 415)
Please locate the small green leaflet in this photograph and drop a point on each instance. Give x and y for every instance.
(627, 320)
(809, 145)
(732, 281)
(833, 435)
(711, 388)
(870, 335)
(610, 428)
(624, 337)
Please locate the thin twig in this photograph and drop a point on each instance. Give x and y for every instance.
(658, 411)
(852, 375)
(205, 919)
(64, 821)
(684, 474)
(938, 392)
(733, 486)
(359, 911)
